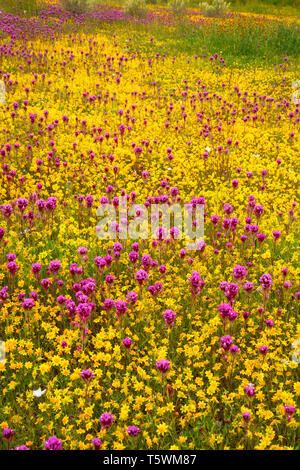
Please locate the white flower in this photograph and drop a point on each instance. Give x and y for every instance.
(38, 392)
(208, 149)
(256, 155)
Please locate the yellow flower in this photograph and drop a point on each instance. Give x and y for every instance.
(162, 429)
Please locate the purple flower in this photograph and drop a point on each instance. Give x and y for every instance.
(266, 281)
(239, 272)
(84, 311)
(258, 210)
(248, 287)
(231, 292)
(163, 365)
(108, 304)
(54, 266)
(250, 390)
(169, 317)
(290, 410)
(53, 443)
(28, 304)
(133, 431)
(36, 268)
(127, 342)
(106, 420)
(100, 262)
(276, 235)
(8, 434)
(109, 279)
(226, 342)
(131, 297)
(234, 349)
(12, 267)
(263, 349)
(51, 203)
(133, 256)
(121, 307)
(224, 310)
(6, 210)
(97, 443)
(196, 283)
(141, 276)
(246, 416)
(86, 375)
(22, 203)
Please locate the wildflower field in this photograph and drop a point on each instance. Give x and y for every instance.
(119, 343)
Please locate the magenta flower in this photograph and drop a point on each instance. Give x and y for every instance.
(6, 210)
(86, 375)
(276, 235)
(121, 307)
(109, 279)
(133, 431)
(246, 416)
(234, 349)
(226, 342)
(163, 365)
(239, 272)
(100, 262)
(84, 311)
(28, 304)
(196, 283)
(54, 266)
(231, 292)
(169, 317)
(263, 349)
(53, 443)
(106, 420)
(133, 256)
(82, 251)
(36, 268)
(8, 434)
(266, 281)
(22, 203)
(97, 443)
(127, 342)
(250, 390)
(248, 287)
(45, 283)
(258, 210)
(12, 267)
(131, 297)
(289, 410)
(51, 203)
(141, 276)
(108, 304)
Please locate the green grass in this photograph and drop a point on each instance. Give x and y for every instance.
(23, 7)
(255, 46)
(271, 7)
